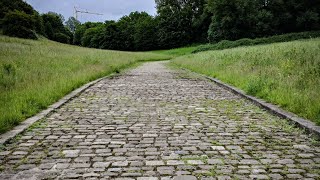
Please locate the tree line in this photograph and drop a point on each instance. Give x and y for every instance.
(177, 23)
(19, 19)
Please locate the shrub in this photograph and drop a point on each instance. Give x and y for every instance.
(60, 37)
(19, 24)
(225, 44)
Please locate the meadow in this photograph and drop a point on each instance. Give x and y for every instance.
(286, 74)
(35, 74)
(176, 52)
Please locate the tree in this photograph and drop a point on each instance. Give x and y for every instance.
(53, 25)
(178, 22)
(12, 5)
(48, 30)
(60, 37)
(72, 23)
(81, 29)
(88, 39)
(58, 15)
(19, 24)
(39, 25)
(112, 38)
(55, 22)
(231, 20)
(144, 35)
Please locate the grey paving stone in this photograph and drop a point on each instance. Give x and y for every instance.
(154, 122)
(71, 153)
(186, 177)
(154, 163)
(215, 161)
(120, 164)
(101, 164)
(195, 162)
(147, 178)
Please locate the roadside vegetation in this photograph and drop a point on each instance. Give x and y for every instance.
(176, 24)
(35, 74)
(225, 44)
(287, 74)
(176, 52)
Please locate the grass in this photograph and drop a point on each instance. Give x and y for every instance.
(225, 44)
(177, 51)
(287, 74)
(35, 74)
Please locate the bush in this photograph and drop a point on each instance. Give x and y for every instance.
(60, 37)
(19, 24)
(225, 44)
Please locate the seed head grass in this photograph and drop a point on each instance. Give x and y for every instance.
(287, 74)
(35, 74)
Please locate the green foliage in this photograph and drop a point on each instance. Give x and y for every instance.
(39, 25)
(12, 5)
(144, 36)
(53, 22)
(35, 74)
(179, 23)
(60, 37)
(72, 24)
(177, 51)
(234, 20)
(7, 6)
(81, 29)
(111, 37)
(225, 44)
(19, 24)
(286, 74)
(48, 30)
(89, 38)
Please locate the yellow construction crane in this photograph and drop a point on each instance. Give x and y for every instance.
(76, 11)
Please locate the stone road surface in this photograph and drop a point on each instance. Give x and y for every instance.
(156, 123)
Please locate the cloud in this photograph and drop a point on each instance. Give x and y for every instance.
(111, 9)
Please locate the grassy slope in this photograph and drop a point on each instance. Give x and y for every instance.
(35, 74)
(177, 51)
(287, 74)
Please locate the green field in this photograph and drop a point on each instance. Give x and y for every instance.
(287, 74)
(177, 51)
(35, 74)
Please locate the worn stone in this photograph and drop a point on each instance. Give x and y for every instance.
(155, 122)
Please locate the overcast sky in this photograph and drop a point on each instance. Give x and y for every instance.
(111, 9)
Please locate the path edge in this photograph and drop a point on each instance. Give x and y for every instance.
(300, 122)
(11, 134)
(305, 124)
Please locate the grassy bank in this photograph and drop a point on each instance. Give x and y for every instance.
(287, 74)
(35, 74)
(177, 51)
(225, 44)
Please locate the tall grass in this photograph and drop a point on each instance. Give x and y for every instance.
(225, 44)
(34, 74)
(287, 74)
(177, 51)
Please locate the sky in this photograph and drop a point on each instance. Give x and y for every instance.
(111, 9)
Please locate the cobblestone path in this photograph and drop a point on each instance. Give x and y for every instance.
(157, 123)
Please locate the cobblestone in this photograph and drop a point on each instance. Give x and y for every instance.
(154, 122)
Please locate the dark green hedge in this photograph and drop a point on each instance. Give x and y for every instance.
(225, 44)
